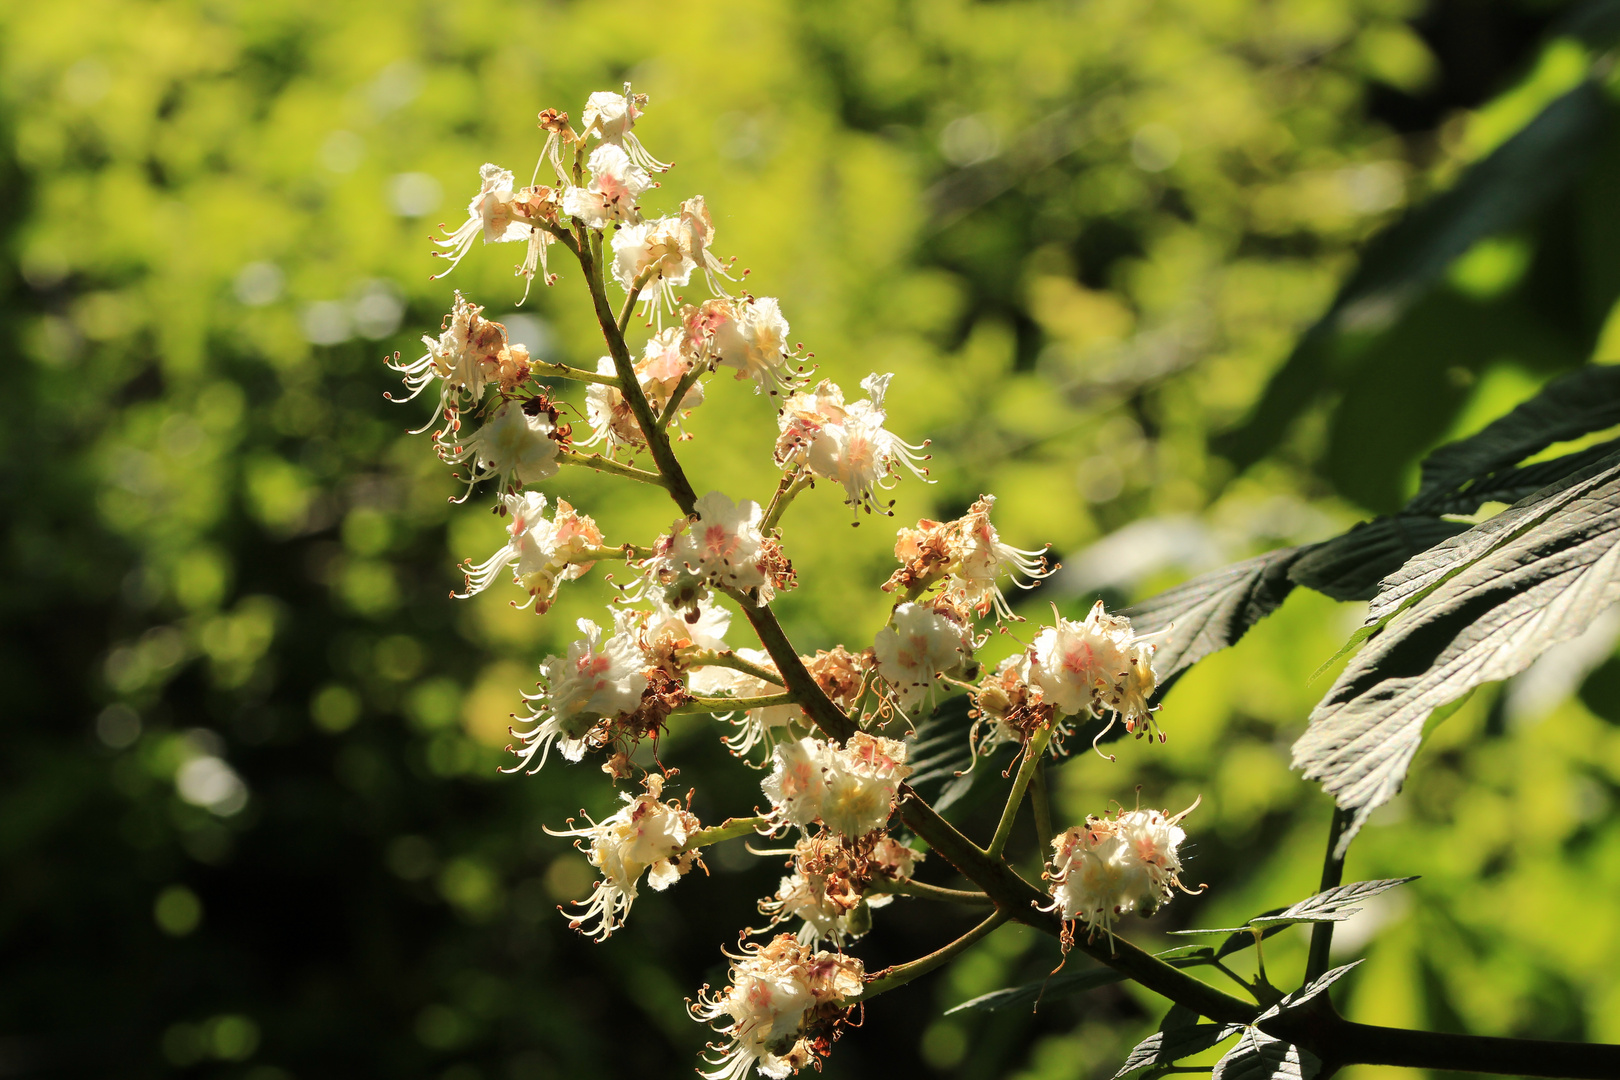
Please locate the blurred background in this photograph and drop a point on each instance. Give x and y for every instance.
(1117, 254)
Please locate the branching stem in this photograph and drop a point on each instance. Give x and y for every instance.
(924, 891)
(725, 705)
(601, 464)
(1033, 751)
(900, 974)
(726, 830)
(1332, 875)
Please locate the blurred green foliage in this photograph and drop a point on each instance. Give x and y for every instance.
(251, 822)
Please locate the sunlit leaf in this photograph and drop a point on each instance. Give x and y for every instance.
(1334, 905)
(1476, 609)
(1257, 1056)
(1350, 566)
(1170, 1045)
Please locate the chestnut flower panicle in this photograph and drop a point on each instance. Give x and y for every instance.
(542, 552)
(645, 836)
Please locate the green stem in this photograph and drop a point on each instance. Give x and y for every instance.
(900, 974)
(806, 691)
(692, 375)
(598, 463)
(930, 892)
(725, 705)
(728, 659)
(1033, 751)
(1332, 875)
(563, 371)
(726, 830)
(675, 481)
(603, 554)
(1041, 803)
(631, 298)
(786, 492)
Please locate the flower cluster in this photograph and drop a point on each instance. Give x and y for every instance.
(1110, 867)
(846, 443)
(781, 1008)
(850, 789)
(833, 726)
(644, 837)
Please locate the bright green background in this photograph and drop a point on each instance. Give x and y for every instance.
(1083, 237)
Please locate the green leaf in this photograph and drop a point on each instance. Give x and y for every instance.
(1478, 608)
(1170, 1045)
(1567, 408)
(1069, 983)
(1257, 1056)
(1350, 566)
(1305, 993)
(1334, 905)
(1495, 195)
(1212, 611)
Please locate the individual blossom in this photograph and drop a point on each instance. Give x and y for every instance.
(665, 631)
(514, 446)
(781, 1009)
(829, 886)
(722, 544)
(461, 359)
(846, 443)
(664, 364)
(1110, 867)
(751, 337)
(1007, 708)
(654, 255)
(862, 780)
(839, 672)
(918, 646)
(797, 785)
(616, 183)
(969, 556)
(500, 215)
(1086, 668)
(596, 683)
(645, 836)
(610, 116)
(541, 551)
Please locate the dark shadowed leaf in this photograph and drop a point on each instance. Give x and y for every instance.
(1211, 612)
(1495, 195)
(1349, 567)
(1520, 482)
(1335, 905)
(1567, 408)
(1168, 1046)
(1476, 609)
(1257, 1056)
(1307, 992)
(1069, 983)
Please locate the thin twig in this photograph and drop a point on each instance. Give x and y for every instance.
(900, 974)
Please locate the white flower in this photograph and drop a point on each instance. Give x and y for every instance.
(644, 837)
(850, 789)
(920, 645)
(1111, 867)
(597, 681)
(783, 1002)
(542, 552)
(664, 362)
(802, 897)
(611, 196)
(490, 214)
(723, 544)
(1095, 666)
(668, 628)
(464, 358)
(654, 249)
(846, 443)
(982, 558)
(797, 786)
(610, 117)
(752, 337)
(862, 779)
(511, 446)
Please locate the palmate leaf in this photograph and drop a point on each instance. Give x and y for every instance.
(1171, 1044)
(1567, 408)
(1334, 905)
(1257, 1056)
(1477, 608)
